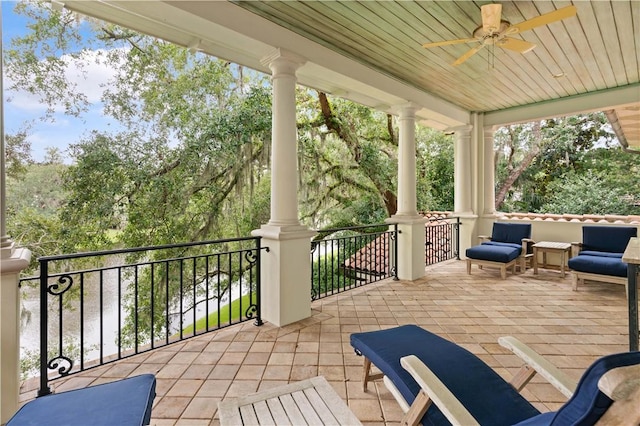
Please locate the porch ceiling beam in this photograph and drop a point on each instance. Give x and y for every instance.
(596, 101)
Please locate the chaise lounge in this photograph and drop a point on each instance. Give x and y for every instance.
(509, 244)
(125, 402)
(599, 256)
(438, 382)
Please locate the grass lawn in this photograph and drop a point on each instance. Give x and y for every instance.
(201, 324)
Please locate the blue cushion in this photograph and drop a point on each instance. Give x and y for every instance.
(463, 373)
(543, 419)
(598, 265)
(601, 253)
(496, 243)
(613, 239)
(510, 232)
(123, 402)
(494, 253)
(588, 404)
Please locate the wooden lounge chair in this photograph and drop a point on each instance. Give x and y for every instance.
(438, 382)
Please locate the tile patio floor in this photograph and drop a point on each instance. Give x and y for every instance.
(571, 328)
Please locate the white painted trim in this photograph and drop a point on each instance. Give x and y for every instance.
(595, 101)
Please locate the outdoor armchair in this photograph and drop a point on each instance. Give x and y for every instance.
(599, 256)
(510, 244)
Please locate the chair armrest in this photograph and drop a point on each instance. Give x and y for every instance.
(550, 372)
(437, 392)
(575, 248)
(527, 245)
(483, 238)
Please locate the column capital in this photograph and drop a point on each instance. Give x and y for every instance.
(18, 261)
(465, 129)
(406, 110)
(282, 61)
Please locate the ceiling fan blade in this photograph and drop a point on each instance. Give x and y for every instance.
(516, 45)
(448, 42)
(491, 16)
(467, 55)
(547, 18)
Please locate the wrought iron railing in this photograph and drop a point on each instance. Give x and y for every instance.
(345, 258)
(442, 239)
(99, 307)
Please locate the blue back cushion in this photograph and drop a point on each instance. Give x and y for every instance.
(510, 232)
(613, 239)
(588, 404)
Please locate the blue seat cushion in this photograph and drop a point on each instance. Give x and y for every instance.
(598, 265)
(612, 239)
(601, 253)
(125, 402)
(487, 396)
(510, 232)
(494, 252)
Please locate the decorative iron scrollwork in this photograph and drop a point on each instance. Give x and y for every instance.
(62, 363)
(64, 283)
(314, 246)
(314, 293)
(251, 311)
(251, 256)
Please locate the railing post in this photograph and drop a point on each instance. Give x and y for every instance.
(258, 321)
(395, 252)
(44, 329)
(458, 238)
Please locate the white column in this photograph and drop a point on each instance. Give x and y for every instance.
(463, 189)
(411, 239)
(407, 200)
(6, 245)
(286, 267)
(462, 170)
(10, 268)
(489, 184)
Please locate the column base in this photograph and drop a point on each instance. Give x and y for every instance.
(411, 243)
(10, 331)
(285, 274)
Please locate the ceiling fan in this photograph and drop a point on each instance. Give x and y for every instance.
(495, 31)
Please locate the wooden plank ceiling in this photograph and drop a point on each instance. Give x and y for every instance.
(598, 49)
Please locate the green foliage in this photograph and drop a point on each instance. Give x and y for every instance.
(17, 151)
(435, 170)
(589, 193)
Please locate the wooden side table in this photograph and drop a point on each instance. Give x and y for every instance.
(550, 247)
(309, 402)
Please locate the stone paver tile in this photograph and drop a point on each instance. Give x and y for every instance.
(277, 372)
(366, 410)
(227, 371)
(201, 408)
(248, 372)
(185, 387)
(172, 371)
(242, 388)
(281, 358)
(214, 388)
(170, 407)
(197, 371)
